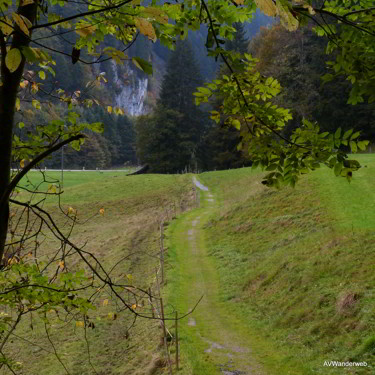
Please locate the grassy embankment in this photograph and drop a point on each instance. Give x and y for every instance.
(130, 225)
(295, 270)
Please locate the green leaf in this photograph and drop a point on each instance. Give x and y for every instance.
(353, 146)
(338, 168)
(271, 167)
(362, 145)
(236, 124)
(355, 135)
(13, 59)
(338, 133)
(347, 134)
(42, 74)
(205, 90)
(143, 65)
(29, 54)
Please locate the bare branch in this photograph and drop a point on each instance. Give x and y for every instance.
(80, 15)
(33, 163)
(54, 349)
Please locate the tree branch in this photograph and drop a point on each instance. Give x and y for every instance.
(358, 11)
(239, 85)
(80, 15)
(34, 162)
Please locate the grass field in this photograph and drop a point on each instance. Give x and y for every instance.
(299, 264)
(294, 270)
(133, 207)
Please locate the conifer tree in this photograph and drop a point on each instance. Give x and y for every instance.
(180, 82)
(221, 141)
(240, 43)
(171, 142)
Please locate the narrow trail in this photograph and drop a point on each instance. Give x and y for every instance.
(217, 342)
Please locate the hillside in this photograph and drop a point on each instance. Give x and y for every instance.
(290, 273)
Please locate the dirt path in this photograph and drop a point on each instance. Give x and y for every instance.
(216, 339)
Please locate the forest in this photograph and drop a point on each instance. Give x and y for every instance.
(186, 187)
(297, 60)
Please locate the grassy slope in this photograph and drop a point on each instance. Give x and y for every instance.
(193, 274)
(298, 265)
(133, 206)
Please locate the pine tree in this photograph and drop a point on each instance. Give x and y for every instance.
(179, 84)
(168, 140)
(221, 141)
(240, 42)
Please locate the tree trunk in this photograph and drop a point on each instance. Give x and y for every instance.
(8, 96)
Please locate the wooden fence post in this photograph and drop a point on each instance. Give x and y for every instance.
(165, 336)
(176, 337)
(150, 299)
(162, 251)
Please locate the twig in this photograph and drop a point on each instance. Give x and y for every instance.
(54, 349)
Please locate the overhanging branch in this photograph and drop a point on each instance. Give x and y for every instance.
(33, 163)
(80, 15)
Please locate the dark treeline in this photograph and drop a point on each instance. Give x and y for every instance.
(298, 61)
(177, 137)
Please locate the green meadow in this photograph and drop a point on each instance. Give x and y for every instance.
(288, 273)
(298, 265)
(126, 235)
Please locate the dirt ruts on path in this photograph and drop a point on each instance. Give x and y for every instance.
(222, 342)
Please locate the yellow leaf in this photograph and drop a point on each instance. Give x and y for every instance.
(134, 306)
(239, 2)
(109, 109)
(268, 7)
(22, 163)
(119, 111)
(101, 211)
(34, 87)
(62, 264)
(52, 189)
(13, 260)
(80, 324)
(155, 13)
(36, 104)
(42, 74)
(145, 27)
(13, 59)
(286, 17)
(105, 302)
(129, 277)
(85, 30)
(71, 211)
(23, 84)
(6, 26)
(18, 104)
(23, 23)
(310, 9)
(26, 2)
